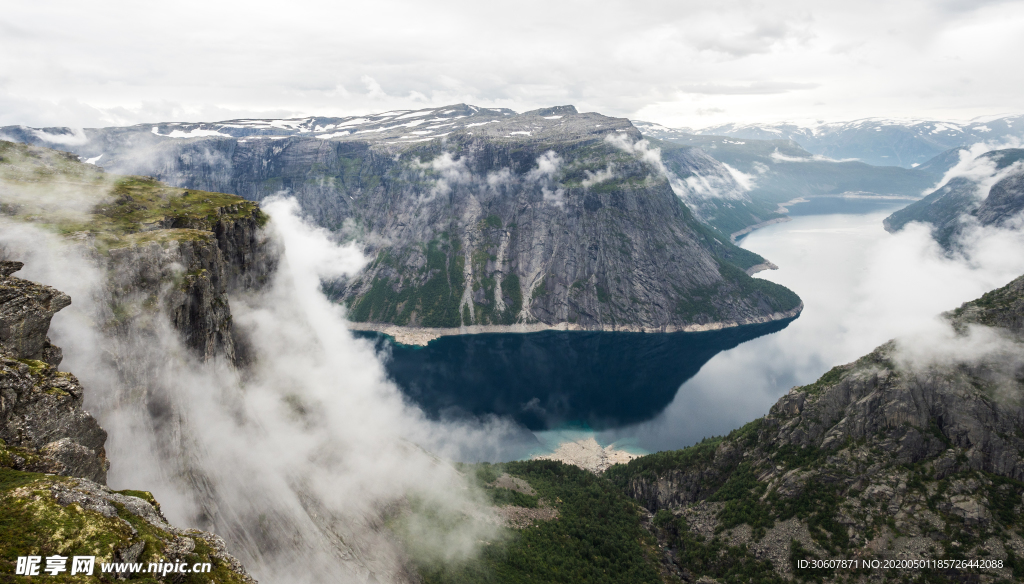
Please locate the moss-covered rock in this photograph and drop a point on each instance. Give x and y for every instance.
(44, 515)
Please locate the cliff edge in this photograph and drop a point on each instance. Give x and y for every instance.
(53, 501)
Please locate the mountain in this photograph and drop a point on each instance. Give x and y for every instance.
(989, 191)
(477, 218)
(780, 170)
(880, 142)
(53, 496)
(718, 195)
(905, 456)
(889, 457)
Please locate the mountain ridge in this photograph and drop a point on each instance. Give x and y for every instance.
(487, 217)
(877, 141)
(990, 193)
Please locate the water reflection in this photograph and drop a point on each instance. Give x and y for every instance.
(860, 285)
(551, 379)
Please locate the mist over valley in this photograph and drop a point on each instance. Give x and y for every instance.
(443, 294)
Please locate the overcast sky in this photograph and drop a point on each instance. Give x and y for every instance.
(680, 63)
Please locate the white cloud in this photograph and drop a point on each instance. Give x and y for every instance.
(193, 133)
(724, 61)
(554, 197)
(861, 287)
(299, 456)
(709, 183)
(76, 137)
(980, 169)
(600, 176)
(780, 157)
(746, 181)
(548, 164)
(447, 172)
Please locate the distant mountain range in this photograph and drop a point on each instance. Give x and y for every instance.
(877, 141)
(780, 170)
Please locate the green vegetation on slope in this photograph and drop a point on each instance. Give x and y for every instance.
(52, 188)
(34, 522)
(596, 538)
(432, 296)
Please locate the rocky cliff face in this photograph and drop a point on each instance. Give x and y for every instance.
(171, 265)
(486, 217)
(882, 458)
(992, 195)
(43, 426)
(44, 429)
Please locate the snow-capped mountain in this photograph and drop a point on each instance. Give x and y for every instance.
(878, 141)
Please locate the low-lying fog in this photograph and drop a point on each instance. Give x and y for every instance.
(861, 287)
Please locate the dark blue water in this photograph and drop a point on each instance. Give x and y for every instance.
(554, 379)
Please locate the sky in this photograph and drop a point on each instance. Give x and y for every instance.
(676, 62)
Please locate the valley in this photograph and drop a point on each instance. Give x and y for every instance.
(552, 292)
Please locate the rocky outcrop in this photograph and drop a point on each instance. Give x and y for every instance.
(1002, 308)
(172, 258)
(892, 456)
(190, 272)
(124, 530)
(25, 312)
(43, 426)
(992, 195)
(44, 429)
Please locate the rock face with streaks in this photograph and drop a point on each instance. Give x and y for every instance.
(900, 454)
(486, 217)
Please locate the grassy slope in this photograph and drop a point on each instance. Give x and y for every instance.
(32, 522)
(52, 189)
(597, 537)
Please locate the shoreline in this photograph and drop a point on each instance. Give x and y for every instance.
(761, 267)
(587, 454)
(734, 236)
(421, 336)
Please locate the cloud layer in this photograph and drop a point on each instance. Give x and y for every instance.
(680, 63)
(861, 287)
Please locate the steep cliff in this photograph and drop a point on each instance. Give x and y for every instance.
(232, 434)
(894, 456)
(68, 511)
(487, 217)
(168, 257)
(182, 250)
(989, 192)
(43, 426)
